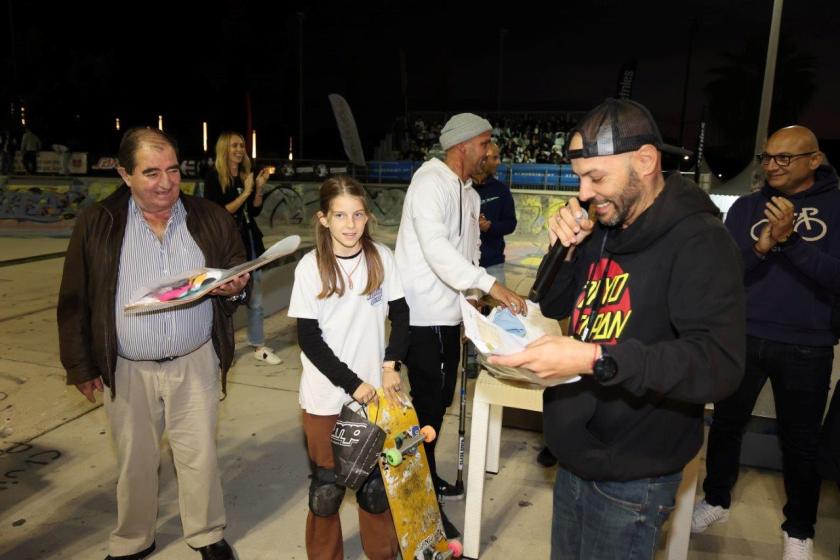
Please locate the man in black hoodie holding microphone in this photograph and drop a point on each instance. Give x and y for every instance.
(653, 290)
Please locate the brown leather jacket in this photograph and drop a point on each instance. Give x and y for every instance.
(86, 322)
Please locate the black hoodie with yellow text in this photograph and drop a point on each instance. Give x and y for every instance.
(666, 298)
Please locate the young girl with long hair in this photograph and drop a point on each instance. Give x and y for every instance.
(232, 184)
(342, 293)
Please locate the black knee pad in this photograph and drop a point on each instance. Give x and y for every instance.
(325, 495)
(371, 496)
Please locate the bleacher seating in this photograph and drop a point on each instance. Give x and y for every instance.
(522, 137)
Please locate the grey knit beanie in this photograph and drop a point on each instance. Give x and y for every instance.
(461, 128)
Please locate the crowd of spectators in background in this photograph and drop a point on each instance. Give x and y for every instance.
(521, 139)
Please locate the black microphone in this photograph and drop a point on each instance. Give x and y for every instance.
(548, 271)
(550, 267)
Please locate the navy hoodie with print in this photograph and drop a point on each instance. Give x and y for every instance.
(666, 297)
(498, 207)
(790, 293)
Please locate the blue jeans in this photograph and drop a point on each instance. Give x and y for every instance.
(800, 376)
(256, 336)
(599, 520)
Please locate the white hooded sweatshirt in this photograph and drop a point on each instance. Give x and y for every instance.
(438, 244)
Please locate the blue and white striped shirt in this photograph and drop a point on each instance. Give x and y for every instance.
(144, 258)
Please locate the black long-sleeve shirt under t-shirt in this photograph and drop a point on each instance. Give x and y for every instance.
(313, 345)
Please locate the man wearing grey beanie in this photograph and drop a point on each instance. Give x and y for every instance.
(437, 254)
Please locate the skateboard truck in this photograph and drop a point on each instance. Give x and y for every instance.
(455, 551)
(407, 444)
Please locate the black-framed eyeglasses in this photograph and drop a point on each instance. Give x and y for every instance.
(782, 160)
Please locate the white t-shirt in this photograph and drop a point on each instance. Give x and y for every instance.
(353, 326)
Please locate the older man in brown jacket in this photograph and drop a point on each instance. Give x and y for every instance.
(162, 368)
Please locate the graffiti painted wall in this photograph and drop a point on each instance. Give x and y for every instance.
(50, 201)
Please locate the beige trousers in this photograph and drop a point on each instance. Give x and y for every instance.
(181, 396)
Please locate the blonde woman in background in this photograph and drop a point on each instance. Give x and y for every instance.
(231, 184)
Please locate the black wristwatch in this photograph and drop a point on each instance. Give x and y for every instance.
(604, 367)
(397, 365)
(238, 298)
(789, 242)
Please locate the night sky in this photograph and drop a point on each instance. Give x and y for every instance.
(78, 67)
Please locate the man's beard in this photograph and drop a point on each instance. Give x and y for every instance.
(627, 199)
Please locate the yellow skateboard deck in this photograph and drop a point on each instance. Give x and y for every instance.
(411, 494)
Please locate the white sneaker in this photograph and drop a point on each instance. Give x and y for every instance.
(797, 549)
(705, 514)
(267, 355)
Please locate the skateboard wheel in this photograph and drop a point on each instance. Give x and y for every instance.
(456, 548)
(393, 457)
(429, 434)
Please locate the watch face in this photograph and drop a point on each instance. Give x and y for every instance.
(605, 367)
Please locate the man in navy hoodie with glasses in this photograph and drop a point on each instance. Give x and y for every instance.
(792, 278)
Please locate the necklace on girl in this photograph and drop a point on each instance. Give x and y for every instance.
(350, 274)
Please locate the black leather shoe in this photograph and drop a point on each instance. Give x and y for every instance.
(448, 492)
(136, 556)
(217, 551)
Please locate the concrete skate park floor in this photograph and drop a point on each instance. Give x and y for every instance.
(57, 464)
